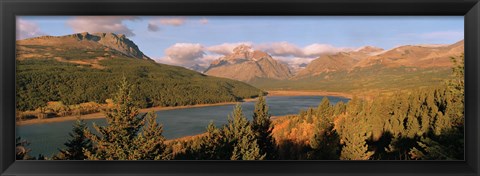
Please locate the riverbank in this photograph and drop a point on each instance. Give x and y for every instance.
(100, 115)
(307, 93)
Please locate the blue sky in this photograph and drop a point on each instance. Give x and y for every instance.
(200, 39)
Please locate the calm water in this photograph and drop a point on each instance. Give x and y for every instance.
(47, 138)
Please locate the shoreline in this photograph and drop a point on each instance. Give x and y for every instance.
(307, 93)
(100, 115)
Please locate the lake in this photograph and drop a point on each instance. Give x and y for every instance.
(47, 138)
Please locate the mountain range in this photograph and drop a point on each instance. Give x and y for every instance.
(254, 66)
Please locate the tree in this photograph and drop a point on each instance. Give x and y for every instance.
(325, 110)
(241, 137)
(355, 132)
(262, 128)
(120, 138)
(325, 144)
(77, 144)
(21, 150)
(150, 141)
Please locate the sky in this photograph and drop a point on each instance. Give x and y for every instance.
(189, 40)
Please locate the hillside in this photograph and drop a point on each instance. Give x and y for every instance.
(247, 65)
(74, 69)
(372, 70)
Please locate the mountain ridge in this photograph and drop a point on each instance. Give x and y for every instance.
(245, 64)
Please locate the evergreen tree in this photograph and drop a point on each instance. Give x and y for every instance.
(119, 139)
(324, 110)
(150, 141)
(262, 128)
(242, 138)
(355, 132)
(77, 144)
(325, 144)
(213, 145)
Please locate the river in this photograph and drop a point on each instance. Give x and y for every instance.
(47, 138)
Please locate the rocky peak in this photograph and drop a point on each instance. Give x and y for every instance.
(118, 42)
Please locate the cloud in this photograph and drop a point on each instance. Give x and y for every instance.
(188, 54)
(101, 24)
(27, 29)
(295, 61)
(155, 23)
(203, 21)
(280, 49)
(316, 49)
(284, 49)
(183, 54)
(153, 28)
(226, 48)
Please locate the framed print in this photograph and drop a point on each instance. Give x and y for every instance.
(240, 87)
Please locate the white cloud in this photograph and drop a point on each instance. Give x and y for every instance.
(188, 54)
(101, 24)
(284, 49)
(27, 29)
(316, 49)
(183, 54)
(295, 60)
(226, 48)
(155, 23)
(280, 49)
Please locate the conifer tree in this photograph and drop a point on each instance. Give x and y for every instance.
(241, 137)
(324, 110)
(213, 145)
(262, 128)
(355, 132)
(119, 139)
(325, 144)
(150, 141)
(76, 145)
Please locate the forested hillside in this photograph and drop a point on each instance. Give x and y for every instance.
(85, 71)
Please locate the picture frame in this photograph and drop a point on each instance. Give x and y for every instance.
(470, 9)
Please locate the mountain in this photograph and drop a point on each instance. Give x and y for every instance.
(246, 65)
(109, 43)
(86, 67)
(197, 67)
(336, 62)
(371, 70)
(421, 56)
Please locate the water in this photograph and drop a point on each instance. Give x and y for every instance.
(47, 138)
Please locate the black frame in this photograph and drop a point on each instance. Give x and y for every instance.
(470, 9)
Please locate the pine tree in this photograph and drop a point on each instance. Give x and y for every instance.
(355, 132)
(77, 144)
(262, 128)
(324, 110)
(325, 144)
(119, 139)
(150, 141)
(241, 137)
(213, 145)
